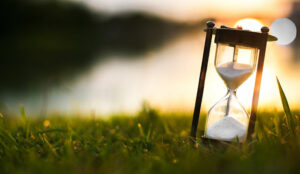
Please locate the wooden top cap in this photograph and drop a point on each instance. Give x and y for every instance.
(243, 37)
(238, 36)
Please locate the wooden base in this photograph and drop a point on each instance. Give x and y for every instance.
(215, 142)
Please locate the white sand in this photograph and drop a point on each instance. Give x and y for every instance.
(234, 74)
(227, 129)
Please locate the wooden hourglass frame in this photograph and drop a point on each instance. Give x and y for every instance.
(236, 37)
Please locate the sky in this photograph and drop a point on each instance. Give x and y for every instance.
(189, 10)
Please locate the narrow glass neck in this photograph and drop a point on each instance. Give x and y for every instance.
(230, 91)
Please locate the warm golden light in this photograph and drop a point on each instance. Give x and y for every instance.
(249, 24)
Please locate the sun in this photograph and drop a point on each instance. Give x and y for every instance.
(249, 24)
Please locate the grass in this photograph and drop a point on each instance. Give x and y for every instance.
(146, 143)
(149, 142)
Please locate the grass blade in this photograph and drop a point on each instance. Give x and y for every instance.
(26, 121)
(289, 117)
(50, 145)
(141, 130)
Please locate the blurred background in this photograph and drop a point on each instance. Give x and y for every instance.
(111, 56)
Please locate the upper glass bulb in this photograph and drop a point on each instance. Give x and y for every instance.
(235, 63)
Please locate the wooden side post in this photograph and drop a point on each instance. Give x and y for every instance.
(259, 72)
(209, 31)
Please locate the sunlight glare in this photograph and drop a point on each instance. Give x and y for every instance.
(249, 24)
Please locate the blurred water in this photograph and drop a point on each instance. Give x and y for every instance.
(166, 78)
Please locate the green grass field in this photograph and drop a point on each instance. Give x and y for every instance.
(145, 143)
(149, 142)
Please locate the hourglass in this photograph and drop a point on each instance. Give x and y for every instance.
(238, 54)
(228, 119)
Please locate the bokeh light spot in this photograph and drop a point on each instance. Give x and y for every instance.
(285, 30)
